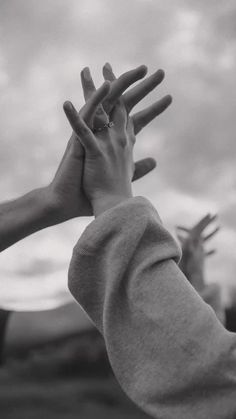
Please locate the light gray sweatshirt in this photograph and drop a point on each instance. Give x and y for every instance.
(166, 346)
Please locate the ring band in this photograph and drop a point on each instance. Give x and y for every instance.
(108, 125)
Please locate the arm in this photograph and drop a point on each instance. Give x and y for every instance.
(168, 350)
(26, 215)
(64, 198)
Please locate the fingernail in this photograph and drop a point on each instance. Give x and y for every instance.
(169, 98)
(68, 105)
(86, 73)
(160, 72)
(143, 68)
(108, 66)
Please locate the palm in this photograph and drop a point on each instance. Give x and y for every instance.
(67, 182)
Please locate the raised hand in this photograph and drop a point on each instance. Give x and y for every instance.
(130, 98)
(64, 197)
(108, 165)
(66, 190)
(193, 250)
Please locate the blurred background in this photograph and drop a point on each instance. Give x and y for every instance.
(43, 47)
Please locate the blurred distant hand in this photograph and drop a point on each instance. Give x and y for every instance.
(193, 250)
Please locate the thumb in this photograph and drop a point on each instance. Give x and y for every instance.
(143, 167)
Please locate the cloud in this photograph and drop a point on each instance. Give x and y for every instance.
(44, 45)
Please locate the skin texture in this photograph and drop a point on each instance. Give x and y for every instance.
(51, 205)
(108, 165)
(129, 99)
(26, 215)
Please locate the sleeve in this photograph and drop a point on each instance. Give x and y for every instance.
(168, 350)
(211, 294)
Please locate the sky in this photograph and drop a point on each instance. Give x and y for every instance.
(44, 46)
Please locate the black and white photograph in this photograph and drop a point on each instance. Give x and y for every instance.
(118, 209)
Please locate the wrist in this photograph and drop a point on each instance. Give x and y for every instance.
(107, 202)
(24, 216)
(49, 207)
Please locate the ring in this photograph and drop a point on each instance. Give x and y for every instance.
(108, 125)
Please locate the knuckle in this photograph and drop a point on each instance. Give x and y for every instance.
(100, 111)
(88, 84)
(122, 140)
(99, 120)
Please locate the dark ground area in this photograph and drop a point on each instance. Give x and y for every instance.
(68, 379)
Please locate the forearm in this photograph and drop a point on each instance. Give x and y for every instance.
(166, 346)
(24, 216)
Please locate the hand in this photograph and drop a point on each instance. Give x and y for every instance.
(61, 200)
(130, 99)
(193, 252)
(108, 165)
(66, 194)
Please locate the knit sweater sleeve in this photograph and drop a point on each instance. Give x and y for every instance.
(168, 350)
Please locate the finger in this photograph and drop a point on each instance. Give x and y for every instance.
(213, 217)
(181, 238)
(90, 108)
(73, 139)
(89, 89)
(209, 236)
(119, 85)
(85, 135)
(183, 228)
(137, 93)
(108, 72)
(142, 118)
(119, 118)
(210, 252)
(143, 167)
(202, 224)
(87, 83)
